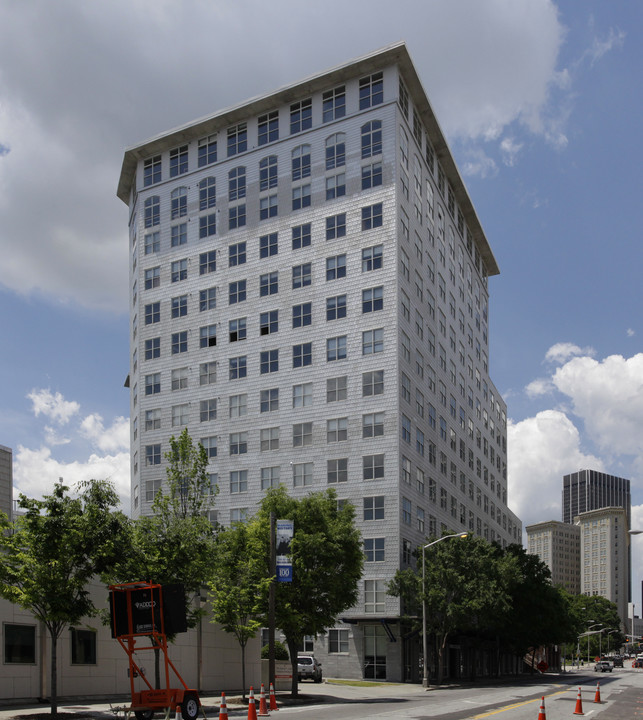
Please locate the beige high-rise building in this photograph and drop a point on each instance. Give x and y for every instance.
(604, 552)
(557, 544)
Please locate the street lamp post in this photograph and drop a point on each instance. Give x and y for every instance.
(588, 634)
(425, 666)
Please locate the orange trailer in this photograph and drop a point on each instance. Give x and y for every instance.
(141, 613)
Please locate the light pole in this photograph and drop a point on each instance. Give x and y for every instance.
(588, 634)
(425, 665)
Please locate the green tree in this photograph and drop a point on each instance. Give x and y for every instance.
(539, 614)
(176, 543)
(463, 589)
(327, 559)
(51, 553)
(239, 584)
(600, 614)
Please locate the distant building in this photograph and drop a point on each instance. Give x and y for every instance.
(557, 544)
(604, 556)
(6, 481)
(591, 490)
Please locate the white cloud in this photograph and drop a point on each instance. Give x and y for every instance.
(36, 471)
(539, 387)
(53, 405)
(608, 396)
(541, 450)
(510, 149)
(630, 332)
(561, 352)
(116, 437)
(477, 164)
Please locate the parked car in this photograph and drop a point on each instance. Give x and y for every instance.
(618, 661)
(603, 666)
(309, 668)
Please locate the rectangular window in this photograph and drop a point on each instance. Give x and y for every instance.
(373, 467)
(152, 278)
(268, 245)
(372, 299)
(372, 258)
(152, 171)
(270, 477)
(373, 341)
(372, 216)
(236, 292)
(371, 175)
(407, 508)
(269, 361)
(373, 383)
(207, 262)
(179, 306)
(334, 104)
(237, 367)
(153, 348)
(371, 91)
(237, 329)
(336, 307)
(237, 216)
(207, 299)
(238, 443)
(152, 243)
(374, 549)
(371, 139)
(337, 471)
(336, 348)
(301, 275)
(207, 373)
(269, 439)
(238, 405)
(336, 226)
(179, 270)
(268, 127)
(302, 315)
(302, 434)
(302, 355)
(301, 197)
(269, 284)
(301, 116)
(207, 336)
(180, 415)
(268, 177)
(301, 236)
(178, 161)
(19, 644)
(336, 389)
(210, 445)
(152, 455)
(373, 425)
(268, 207)
(207, 152)
(237, 254)
(238, 481)
(83, 646)
(335, 186)
(302, 395)
(336, 430)
(152, 313)
(237, 139)
(179, 342)
(302, 474)
(153, 384)
(208, 410)
(207, 225)
(335, 267)
(269, 322)
(374, 507)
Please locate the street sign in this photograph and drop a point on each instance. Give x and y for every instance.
(285, 530)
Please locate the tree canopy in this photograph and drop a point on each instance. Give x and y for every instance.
(52, 551)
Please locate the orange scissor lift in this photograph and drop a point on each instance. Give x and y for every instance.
(138, 623)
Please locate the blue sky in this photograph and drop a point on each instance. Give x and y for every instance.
(541, 103)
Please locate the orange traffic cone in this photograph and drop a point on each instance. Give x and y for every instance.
(223, 710)
(597, 697)
(177, 715)
(579, 705)
(252, 710)
(541, 711)
(273, 699)
(263, 708)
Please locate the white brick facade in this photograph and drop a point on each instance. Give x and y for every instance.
(429, 308)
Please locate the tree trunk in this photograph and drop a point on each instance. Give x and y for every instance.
(53, 694)
(243, 669)
(292, 650)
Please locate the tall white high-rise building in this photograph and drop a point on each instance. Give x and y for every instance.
(309, 297)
